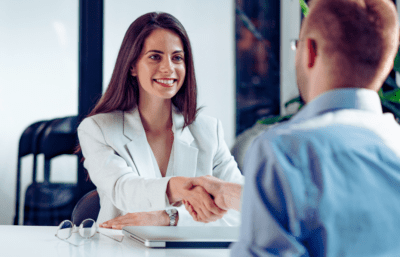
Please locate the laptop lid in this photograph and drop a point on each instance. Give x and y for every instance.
(183, 237)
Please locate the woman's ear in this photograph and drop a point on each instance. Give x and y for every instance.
(133, 71)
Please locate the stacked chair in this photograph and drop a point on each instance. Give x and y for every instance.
(27, 145)
(47, 203)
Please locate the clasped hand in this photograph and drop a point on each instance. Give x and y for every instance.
(214, 205)
(201, 205)
(202, 196)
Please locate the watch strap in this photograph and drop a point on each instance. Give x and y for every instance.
(172, 213)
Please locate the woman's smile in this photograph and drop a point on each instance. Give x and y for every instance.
(165, 82)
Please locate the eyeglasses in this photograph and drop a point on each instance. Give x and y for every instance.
(87, 229)
(293, 44)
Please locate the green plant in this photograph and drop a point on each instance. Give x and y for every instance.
(275, 119)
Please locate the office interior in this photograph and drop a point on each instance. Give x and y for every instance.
(242, 76)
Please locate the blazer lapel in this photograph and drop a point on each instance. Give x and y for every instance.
(185, 155)
(138, 148)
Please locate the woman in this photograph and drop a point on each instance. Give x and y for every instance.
(144, 138)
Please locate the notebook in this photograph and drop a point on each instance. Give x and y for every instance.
(183, 237)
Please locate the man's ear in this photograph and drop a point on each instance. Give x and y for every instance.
(311, 52)
(133, 71)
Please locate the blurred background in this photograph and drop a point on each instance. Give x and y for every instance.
(243, 61)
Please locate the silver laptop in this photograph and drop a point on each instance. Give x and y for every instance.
(183, 237)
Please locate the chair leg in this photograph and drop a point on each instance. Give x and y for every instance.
(47, 170)
(18, 188)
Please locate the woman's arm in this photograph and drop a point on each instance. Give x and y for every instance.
(122, 184)
(109, 171)
(153, 218)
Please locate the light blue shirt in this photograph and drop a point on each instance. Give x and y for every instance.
(325, 183)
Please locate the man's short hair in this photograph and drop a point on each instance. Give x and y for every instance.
(360, 31)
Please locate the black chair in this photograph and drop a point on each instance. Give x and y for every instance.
(28, 144)
(60, 137)
(50, 203)
(87, 207)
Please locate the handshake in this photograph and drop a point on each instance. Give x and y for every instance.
(206, 198)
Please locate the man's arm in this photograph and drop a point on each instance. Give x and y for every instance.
(272, 224)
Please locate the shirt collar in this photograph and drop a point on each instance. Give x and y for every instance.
(348, 98)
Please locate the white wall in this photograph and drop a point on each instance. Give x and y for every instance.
(210, 25)
(290, 28)
(39, 69)
(38, 80)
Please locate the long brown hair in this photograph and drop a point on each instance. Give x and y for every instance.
(123, 90)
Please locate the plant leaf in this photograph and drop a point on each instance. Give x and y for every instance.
(391, 107)
(380, 93)
(294, 100)
(393, 96)
(304, 8)
(268, 121)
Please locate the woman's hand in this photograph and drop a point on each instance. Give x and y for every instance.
(199, 199)
(153, 218)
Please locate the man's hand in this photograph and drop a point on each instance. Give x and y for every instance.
(226, 195)
(153, 218)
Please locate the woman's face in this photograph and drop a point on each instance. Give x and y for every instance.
(160, 69)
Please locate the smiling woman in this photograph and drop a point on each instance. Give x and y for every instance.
(160, 69)
(145, 139)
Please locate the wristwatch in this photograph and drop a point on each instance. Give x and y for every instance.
(172, 213)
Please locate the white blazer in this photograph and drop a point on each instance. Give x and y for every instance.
(121, 163)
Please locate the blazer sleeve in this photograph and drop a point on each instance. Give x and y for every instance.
(111, 174)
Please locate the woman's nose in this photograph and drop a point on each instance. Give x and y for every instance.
(166, 66)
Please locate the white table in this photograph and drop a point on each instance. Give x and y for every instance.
(40, 241)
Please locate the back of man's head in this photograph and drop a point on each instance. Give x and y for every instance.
(359, 38)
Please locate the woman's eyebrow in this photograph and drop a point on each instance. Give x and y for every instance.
(155, 51)
(161, 52)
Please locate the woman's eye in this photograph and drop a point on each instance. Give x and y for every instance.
(178, 58)
(155, 57)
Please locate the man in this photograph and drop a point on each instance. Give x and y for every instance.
(327, 182)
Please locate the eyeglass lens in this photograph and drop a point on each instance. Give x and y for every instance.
(65, 229)
(87, 229)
